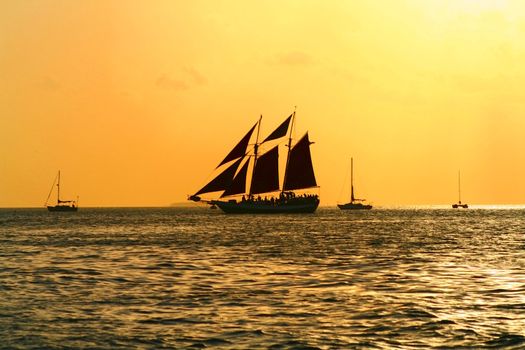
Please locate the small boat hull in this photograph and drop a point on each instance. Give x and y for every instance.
(456, 206)
(293, 206)
(62, 208)
(354, 206)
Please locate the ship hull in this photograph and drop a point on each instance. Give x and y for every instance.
(254, 207)
(456, 206)
(62, 208)
(354, 206)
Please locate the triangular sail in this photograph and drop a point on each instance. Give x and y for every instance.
(266, 173)
(238, 184)
(240, 149)
(300, 170)
(223, 180)
(280, 131)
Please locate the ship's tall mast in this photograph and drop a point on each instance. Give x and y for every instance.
(289, 145)
(255, 149)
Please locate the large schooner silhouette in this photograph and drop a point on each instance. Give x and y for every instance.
(298, 176)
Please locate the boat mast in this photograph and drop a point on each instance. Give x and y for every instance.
(352, 198)
(289, 145)
(58, 186)
(255, 148)
(459, 186)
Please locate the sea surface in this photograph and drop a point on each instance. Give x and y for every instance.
(176, 278)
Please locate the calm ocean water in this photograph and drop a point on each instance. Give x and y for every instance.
(174, 278)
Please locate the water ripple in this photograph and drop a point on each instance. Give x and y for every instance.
(193, 278)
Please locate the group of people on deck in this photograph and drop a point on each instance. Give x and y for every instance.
(284, 197)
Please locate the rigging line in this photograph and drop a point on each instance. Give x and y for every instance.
(51, 190)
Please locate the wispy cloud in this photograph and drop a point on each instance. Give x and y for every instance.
(48, 83)
(188, 78)
(293, 58)
(196, 76)
(168, 83)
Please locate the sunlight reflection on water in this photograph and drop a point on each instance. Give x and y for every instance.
(172, 278)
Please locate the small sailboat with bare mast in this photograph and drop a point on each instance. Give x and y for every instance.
(233, 183)
(354, 203)
(62, 205)
(459, 204)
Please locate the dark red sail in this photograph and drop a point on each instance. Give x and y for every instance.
(240, 149)
(222, 181)
(280, 131)
(266, 174)
(238, 184)
(299, 170)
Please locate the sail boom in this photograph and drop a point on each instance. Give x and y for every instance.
(301, 188)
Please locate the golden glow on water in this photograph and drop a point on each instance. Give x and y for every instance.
(180, 278)
(448, 206)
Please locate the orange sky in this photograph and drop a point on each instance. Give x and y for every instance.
(137, 101)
